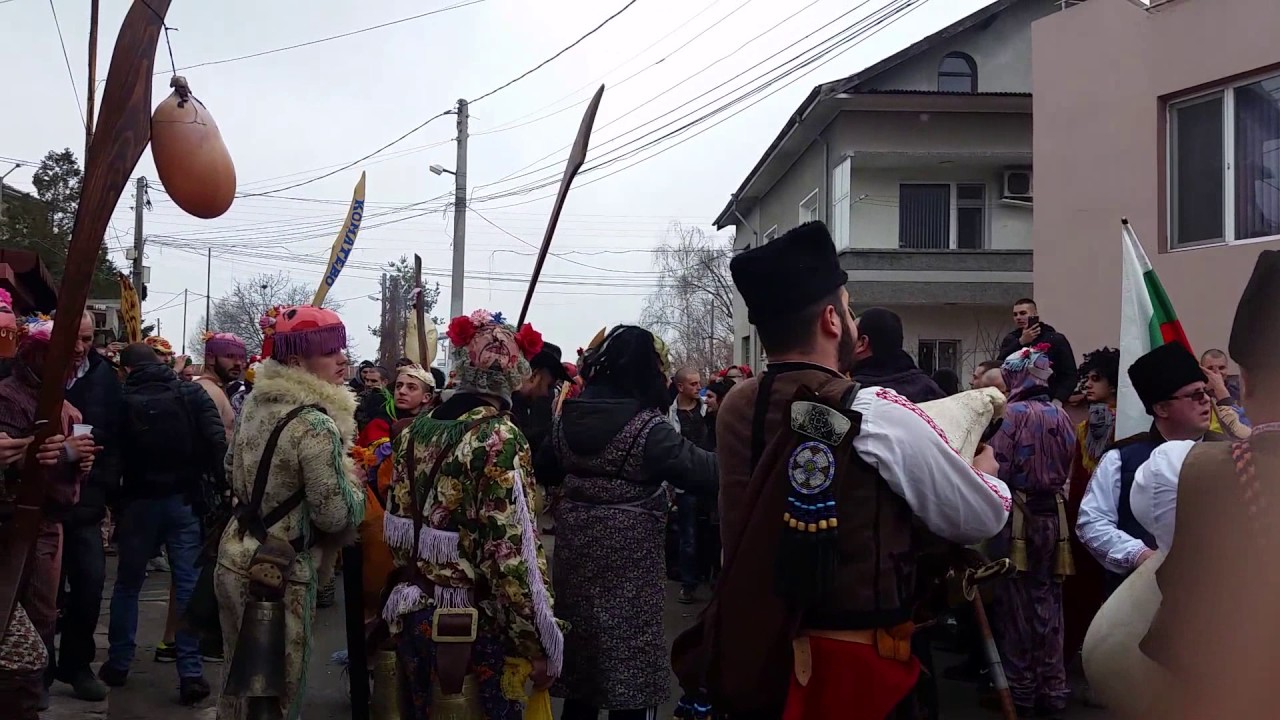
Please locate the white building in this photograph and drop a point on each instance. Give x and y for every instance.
(921, 167)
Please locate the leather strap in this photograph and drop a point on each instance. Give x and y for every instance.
(453, 658)
(758, 417)
(250, 515)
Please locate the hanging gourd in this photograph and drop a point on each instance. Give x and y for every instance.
(190, 157)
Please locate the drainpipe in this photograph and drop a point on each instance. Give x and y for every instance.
(824, 197)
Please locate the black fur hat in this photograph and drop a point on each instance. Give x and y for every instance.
(789, 274)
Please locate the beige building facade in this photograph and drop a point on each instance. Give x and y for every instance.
(1168, 115)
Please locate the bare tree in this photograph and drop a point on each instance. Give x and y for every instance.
(692, 308)
(240, 308)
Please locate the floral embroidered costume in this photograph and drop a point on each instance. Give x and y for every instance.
(310, 461)
(459, 515)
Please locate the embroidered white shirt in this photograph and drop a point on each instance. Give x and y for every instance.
(955, 501)
(1098, 524)
(1154, 496)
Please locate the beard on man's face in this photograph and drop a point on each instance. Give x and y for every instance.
(227, 374)
(847, 348)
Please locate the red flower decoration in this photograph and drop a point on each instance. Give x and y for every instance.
(461, 331)
(529, 341)
(1042, 348)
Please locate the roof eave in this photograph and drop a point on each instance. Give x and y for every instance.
(815, 96)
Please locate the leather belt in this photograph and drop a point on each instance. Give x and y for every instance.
(890, 643)
(453, 630)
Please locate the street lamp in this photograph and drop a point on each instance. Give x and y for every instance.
(2, 179)
(459, 224)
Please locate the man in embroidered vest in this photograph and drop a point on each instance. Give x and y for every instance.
(1174, 392)
(823, 488)
(1216, 629)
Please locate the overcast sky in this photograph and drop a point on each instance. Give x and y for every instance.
(290, 116)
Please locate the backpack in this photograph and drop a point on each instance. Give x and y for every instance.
(161, 439)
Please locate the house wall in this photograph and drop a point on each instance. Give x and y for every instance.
(854, 133)
(1001, 51)
(911, 132)
(781, 205)
(1103, 72)
(874, 219)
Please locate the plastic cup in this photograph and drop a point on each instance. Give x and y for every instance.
(79, 429)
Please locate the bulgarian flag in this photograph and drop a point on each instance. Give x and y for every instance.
(1147, 321)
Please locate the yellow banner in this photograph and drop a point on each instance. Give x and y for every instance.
(130, 310)
(343, 244)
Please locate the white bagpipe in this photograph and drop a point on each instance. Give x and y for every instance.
(965, 417)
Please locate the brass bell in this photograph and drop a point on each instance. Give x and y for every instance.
(384, 703)
(463, 706)
(257, 668)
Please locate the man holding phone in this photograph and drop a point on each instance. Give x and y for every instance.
(1030, 332)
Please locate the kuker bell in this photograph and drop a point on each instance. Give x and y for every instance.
(257, 668)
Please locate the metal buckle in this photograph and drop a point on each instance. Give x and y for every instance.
(467, 612)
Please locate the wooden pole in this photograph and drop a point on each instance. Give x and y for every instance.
(126, 118)
(92, 92)
(420, 314)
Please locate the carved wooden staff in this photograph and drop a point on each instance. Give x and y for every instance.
(122, 133)
(420, 314)
(576, 157)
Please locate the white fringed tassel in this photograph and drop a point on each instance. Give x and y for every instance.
(548, 631)
(434, 546)
(438, 546)
(397, 531)
(404, 598)
(452, 597)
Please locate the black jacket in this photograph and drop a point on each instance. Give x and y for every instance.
(1065, 375)
(98, 397)
(590, 421)
(898, 372)
(209, 438)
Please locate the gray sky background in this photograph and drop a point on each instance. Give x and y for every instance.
(290, 116)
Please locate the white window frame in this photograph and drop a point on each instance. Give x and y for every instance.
(770, 234)
(809, 209)
(1228, 91)
(841, 208)
(953, 241)
(934, 341)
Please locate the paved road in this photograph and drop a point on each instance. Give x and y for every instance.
(152, 690)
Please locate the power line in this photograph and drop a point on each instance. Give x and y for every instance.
(518, 173)
(512, 124)
(558, 255)
(348, 165)
(544, 63)
(895, 12)
(84, 123)
(331, 37)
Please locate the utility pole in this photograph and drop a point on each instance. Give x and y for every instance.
(459, 216)
(91, 94)
(208, 289)
(139, 244)
(383, 325)
(184, 321)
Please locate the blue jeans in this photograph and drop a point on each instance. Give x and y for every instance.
(687, 524)
(142, 527)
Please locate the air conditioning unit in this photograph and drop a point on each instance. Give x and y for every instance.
(1017, 184)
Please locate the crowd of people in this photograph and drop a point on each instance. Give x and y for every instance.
(817, 500)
